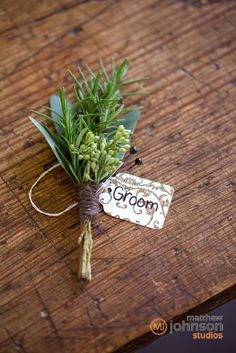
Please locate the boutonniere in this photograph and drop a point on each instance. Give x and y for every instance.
(90, 136)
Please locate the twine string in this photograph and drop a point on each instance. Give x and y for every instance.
(87, 195)
(39, 209)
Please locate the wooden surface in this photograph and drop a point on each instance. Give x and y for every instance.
(186, 138)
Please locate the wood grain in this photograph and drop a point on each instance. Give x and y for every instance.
(186, 138)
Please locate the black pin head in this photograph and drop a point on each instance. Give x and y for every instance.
(133, 150)
(138, 161)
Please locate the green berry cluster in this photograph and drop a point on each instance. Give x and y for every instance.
(98, 156)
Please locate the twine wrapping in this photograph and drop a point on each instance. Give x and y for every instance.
(87, 194)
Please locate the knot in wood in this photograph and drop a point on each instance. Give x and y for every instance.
(88, 200)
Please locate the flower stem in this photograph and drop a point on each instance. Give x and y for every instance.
(85, 248)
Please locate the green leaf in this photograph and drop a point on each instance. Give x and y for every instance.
(73, 173)
(57, 114)
(96, 83)
(79, 137)
(62, 95)
(56, 122)
(103, 69)
(49, 138)
(122, 69)
(130, 82)
(130, 120)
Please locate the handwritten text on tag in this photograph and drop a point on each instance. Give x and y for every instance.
(137, 200)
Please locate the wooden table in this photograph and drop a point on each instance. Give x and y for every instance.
(186, 138)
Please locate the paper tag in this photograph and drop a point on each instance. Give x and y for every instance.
(137, 200)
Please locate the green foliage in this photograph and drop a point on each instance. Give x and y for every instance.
(90, 139)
